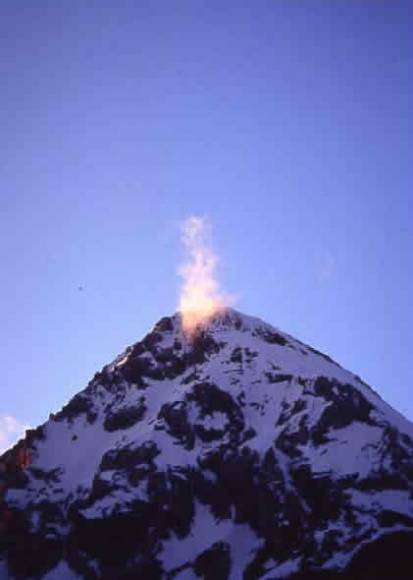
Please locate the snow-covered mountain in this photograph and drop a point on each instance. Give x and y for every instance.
(241, 453)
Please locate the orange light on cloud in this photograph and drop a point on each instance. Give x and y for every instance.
(200, 296)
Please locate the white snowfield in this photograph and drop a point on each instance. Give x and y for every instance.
(267, 373)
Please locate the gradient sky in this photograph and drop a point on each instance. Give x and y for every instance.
(288, 123)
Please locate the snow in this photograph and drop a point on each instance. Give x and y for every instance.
(216, 420)
(283, 569)
(209, 475)
(187, 574)
(377, 501)
(353, 449)
(61, 572)
(118, 501)
(78, 458)
(205, 531)
(172, 453)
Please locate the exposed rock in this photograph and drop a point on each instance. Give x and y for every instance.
(238, 453)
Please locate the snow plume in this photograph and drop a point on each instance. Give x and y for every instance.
(200, 296)
(10, 431)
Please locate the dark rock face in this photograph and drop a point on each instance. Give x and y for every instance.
(272, 337)
(80, 404)
(124, 418)
(346, 406)
(214, 563)
(241, 453)
(175, 417)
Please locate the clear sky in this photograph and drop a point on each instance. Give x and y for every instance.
(288, 123)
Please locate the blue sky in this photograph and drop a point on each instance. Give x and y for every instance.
(287, 123)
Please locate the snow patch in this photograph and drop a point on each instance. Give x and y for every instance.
(205, 531)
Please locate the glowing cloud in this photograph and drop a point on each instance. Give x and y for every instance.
(10, 431)
(200, 296)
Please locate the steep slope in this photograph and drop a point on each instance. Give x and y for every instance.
(240, 453)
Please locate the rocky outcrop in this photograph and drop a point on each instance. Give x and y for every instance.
(240, 453)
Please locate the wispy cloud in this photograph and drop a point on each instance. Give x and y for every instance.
(11, 429)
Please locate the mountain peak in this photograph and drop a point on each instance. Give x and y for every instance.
(224, 319)
(237, 451)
